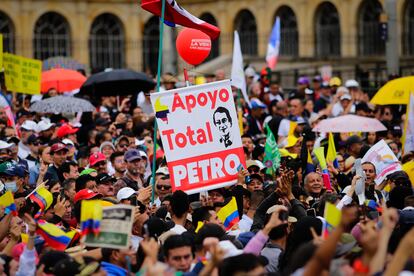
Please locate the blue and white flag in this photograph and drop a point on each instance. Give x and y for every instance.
(273, 45)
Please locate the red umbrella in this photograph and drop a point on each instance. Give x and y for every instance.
(63, 80)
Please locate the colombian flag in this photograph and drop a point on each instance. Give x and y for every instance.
(229, 214)
(372, 204)
(332, 217)
(42, 197)
(310, 167)
(7, 201)
(91, 216)
(54, 236)
(331, 154)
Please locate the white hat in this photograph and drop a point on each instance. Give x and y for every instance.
(4, 145)
(143, 154)
(256, 163)
(44, 125)
(68, 142)
(125, 193)
(345, 96)
(249, 72)
(139, 142)
(351, 83)
(162, 170)
(29, 125)
(342, 89)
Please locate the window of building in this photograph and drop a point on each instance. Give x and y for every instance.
(327, 31)
(150, 45)
(245, 24)
(289, 37)
(369, 36)
(107, 42)
(408, 29)
(51, 36)
(215, 50)
(7, 29)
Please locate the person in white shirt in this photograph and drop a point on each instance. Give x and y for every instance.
(179, 208)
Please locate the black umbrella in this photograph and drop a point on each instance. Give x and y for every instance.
(117, 82)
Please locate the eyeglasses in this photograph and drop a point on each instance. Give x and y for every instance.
(123, 145)
(163, 187)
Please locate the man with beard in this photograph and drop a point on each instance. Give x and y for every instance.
(105, 183)
(118, 163)
(132, 177)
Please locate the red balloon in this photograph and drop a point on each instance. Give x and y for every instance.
(194, 46)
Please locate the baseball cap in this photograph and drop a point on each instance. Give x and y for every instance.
(58, 147)
(66, 129)
(303, 80)
(345, 96)
(96, 157)
(317, 78)
(272, 209)
(12, 169)
(87, 171)
(125, 193)
(256, 176)
(131, 155)
(335, 81)
(257, 163)
(256, 103)
(120, 138)
(351, 83)
(162, 170)
(342, 89)
(325, 84)
(85, 194)
(68, 142)
(5, 145)
(106, 143)
(104, 178)
(44, 125)
(28, 125)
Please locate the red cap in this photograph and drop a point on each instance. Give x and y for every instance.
(66, 130)
(57, 147)
(85, 194)
(96, 157)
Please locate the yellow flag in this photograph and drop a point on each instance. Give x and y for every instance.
(1, 51)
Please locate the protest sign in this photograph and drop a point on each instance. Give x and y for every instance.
(22, 74)
(200, 135)
(384, 160)
(31, 70)
(1, 51)
(12, 72)
(115, 228)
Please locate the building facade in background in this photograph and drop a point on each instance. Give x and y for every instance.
(118, 33)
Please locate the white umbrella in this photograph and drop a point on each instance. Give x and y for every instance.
(62, 104)
(349, 123)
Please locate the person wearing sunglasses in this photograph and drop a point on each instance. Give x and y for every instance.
(162, 185)
(33, 142)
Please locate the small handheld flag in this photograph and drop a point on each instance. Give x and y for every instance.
(229, 214)
(272, 155)
(54, 236)
(331, 154)
(175, 14)
(273, 45)
(319, 153)
(332, 217)
(42, 197)
(7, 201)
(91, 216)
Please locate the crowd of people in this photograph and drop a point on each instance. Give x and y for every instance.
(107, 155)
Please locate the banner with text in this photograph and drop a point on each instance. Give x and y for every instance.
(200, 136)
(115, 229)
(384, 160)
(22, 74)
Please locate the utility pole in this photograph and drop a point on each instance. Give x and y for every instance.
(391, 36)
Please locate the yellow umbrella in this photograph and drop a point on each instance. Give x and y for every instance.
(395, 92)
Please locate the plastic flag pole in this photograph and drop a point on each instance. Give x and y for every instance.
(154, 158)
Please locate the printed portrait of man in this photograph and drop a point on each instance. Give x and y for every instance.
(223, 122)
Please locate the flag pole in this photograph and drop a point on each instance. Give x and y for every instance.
(154, 158)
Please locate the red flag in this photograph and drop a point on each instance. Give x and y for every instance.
(177, 15)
